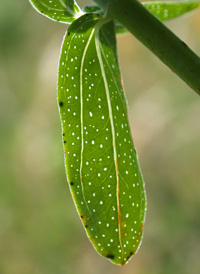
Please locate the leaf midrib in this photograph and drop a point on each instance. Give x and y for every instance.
(97, 44)
(81, 105)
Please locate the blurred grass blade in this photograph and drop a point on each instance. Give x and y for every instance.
(101, 162)
(164, 10)
(65, 11)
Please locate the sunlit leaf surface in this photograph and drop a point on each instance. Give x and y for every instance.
(165, 10)
(101, 162)
(65, 11)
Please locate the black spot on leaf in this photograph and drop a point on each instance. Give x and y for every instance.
(81, 216)
(131, 253)
(68, 33)
(71, 183)
(61, 104)
(110, 256)
(64, 142)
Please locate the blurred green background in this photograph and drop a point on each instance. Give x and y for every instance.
(40, 231)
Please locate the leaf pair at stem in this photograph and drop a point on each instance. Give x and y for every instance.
(101, 162)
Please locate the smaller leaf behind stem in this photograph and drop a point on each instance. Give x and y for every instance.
(157, 38)
(164, 11)
(170, 9)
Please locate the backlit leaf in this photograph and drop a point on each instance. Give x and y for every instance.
(65, 11)
(169, 10)
(101, 162)
(165, 10)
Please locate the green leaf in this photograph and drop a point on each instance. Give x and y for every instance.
(169, 10)
(64, 11)
(91, 8)
(119, 28)
(101, 162)
(165, 10)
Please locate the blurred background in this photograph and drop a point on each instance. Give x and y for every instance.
(40, 231)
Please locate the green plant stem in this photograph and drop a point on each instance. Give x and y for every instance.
(157, 37)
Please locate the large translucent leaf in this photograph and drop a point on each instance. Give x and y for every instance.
(101, 162)
(165, 10)
(65, 11)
